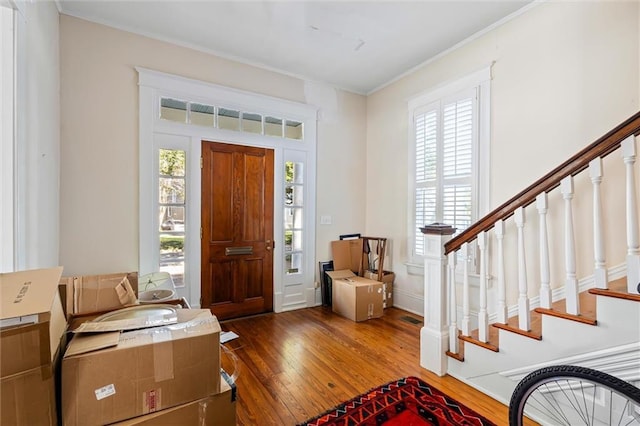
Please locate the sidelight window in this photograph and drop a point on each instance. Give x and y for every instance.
(293, 217)
(172, 212)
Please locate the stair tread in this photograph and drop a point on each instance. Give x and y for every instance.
(587, 300)
(492, 346)
(562, 314)
(617, 289)
(516, 329)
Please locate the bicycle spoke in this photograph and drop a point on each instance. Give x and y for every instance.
(573, 395)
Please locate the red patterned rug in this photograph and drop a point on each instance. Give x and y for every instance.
(406, 402)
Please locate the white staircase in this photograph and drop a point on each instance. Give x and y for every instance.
(611, 346)
(549, 324)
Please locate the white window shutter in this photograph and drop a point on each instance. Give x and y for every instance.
(457, 163)
(444, 164)
(426, 131)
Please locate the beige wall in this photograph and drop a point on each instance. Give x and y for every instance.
(99, 140)
(38, 133)
(564, 74)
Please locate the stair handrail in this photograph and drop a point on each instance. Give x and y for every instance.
(602, 147)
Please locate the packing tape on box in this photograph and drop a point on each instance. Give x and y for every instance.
(162, 355)
(125, 293)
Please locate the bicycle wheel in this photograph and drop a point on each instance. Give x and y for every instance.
(572, 395)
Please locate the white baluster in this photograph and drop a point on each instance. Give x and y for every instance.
(465, 290)
(600, 272)
(571, 282)
(545, 280)
(633, 247)
(453, 304)
(483, 317)
(498, 228)
(524, 314)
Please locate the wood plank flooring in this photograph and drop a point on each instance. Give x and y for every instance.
(295, 365)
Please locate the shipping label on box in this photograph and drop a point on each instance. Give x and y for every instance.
(356, 298)
(146, 371)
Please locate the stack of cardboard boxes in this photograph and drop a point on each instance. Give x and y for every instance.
(359, 292)
(157, 364)
(32, 325)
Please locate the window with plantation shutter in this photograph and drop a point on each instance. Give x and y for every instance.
(448, 129)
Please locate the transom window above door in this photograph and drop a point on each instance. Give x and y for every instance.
(228, 118)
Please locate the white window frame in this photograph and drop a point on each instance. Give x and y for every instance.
(12, 138)
(7, 147)
(480, 81)
(157, 133)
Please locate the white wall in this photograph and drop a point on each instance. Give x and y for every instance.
(99, 140)
(38, 133)
(564, 74)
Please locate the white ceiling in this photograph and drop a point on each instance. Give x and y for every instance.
(354, 45)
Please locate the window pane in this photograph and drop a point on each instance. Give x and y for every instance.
(202, 115)
(171, 218)
(172, 256)
(292, 218)
(171, 190)
(293, 195)
(293, 263)
(251, 123)
(173, 110)
(172, 162)
(293, 172)
(273, 126)
(228, 119)
(292, 240)
(293, 129)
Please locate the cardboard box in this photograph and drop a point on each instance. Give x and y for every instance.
(388, 278)
(348, 254)
(28, 398)
(356, 298)
(106, 379)
(100, 293)
(214, 410)
(31, 319)
(32, 324)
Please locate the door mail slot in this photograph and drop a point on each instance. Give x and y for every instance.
(233, 251)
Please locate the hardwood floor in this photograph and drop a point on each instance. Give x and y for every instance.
(295, 365)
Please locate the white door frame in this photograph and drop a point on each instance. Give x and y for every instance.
(156, 132)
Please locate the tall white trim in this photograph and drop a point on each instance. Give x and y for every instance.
(7, 138)
(154, 85)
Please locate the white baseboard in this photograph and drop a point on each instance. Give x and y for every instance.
(409, 302)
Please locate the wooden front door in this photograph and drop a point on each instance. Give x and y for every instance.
(237, 230)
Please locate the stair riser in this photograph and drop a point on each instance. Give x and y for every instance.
(618, 325)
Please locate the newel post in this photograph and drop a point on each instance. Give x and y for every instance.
(434, 335)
